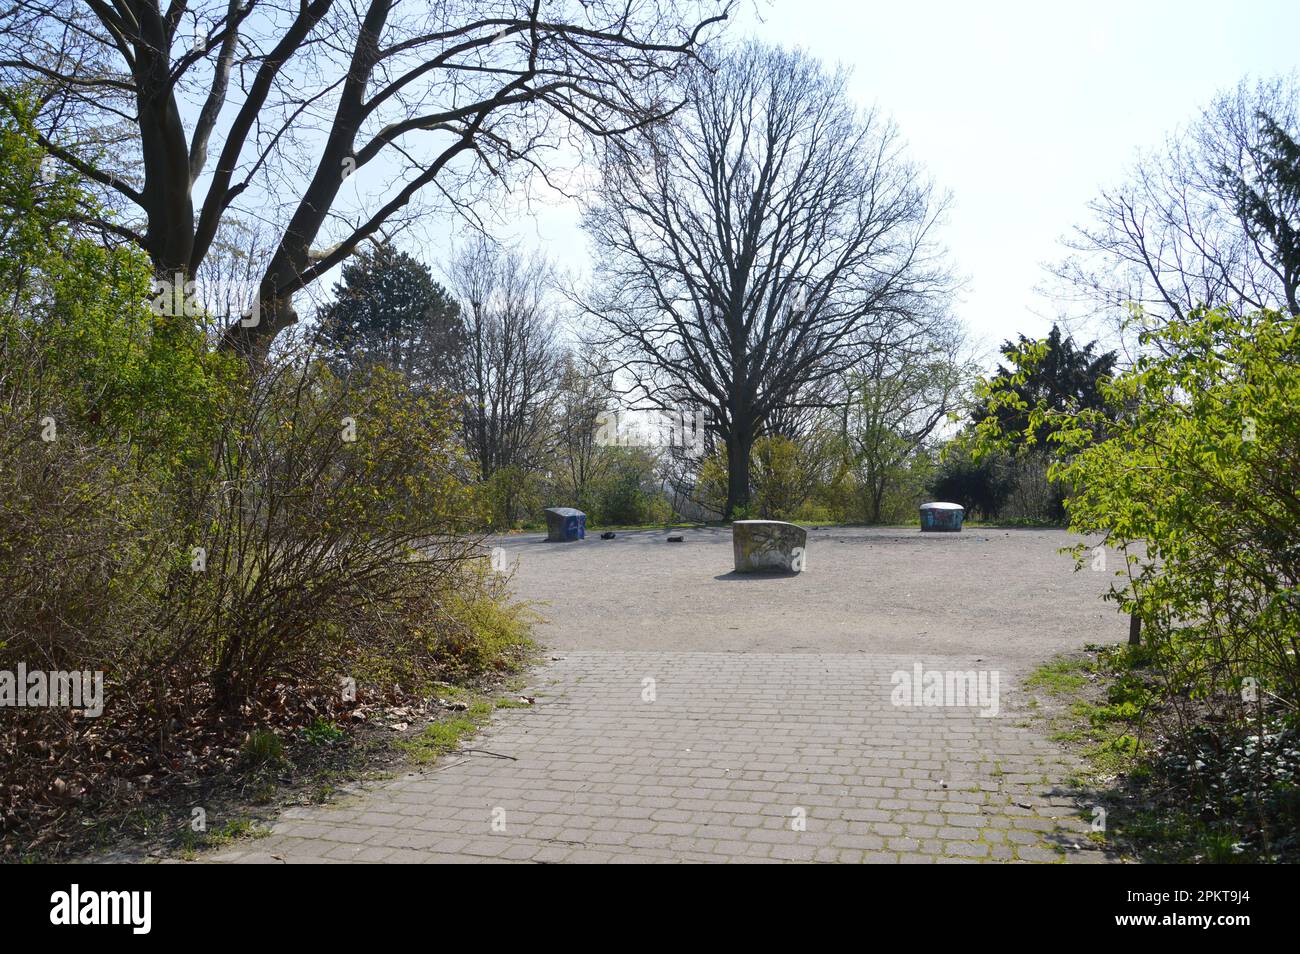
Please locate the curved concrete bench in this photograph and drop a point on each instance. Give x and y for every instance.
(763, 545)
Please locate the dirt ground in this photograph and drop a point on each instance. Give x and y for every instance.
(1005, 592)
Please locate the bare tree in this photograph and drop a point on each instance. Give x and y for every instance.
(226, 281)
(584, 398)
(291, 97)
(512, 357)
(1212, 219)
(755, 244)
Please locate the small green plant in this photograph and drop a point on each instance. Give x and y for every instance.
(439, 739)
(263, 747)
(445, 736)
(192, 842)
(1060, 676)
(322, 732)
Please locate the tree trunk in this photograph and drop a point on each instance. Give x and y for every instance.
(877, 499)
(165, 194)
(251, 335)
(739, 445)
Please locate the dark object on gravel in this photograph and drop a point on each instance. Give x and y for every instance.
(677, 538)
(608, 535)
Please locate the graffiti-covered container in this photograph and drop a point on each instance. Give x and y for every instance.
(942, 517)
(565, 523)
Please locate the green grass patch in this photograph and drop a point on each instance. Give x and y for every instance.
(263, 747)
(1061, 676)
(450, 693)
(1173, 837)
(322, 732)
(1163, 805)
(192, 842)
(1096, 709)
(439, 739)
(445, 736)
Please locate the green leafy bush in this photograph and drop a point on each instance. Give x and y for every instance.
(1191, 470)
(1196, 478)
(224, 542)
(780, 480)
(627, 491)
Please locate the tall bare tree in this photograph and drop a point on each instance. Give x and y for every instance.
(1212, 218)
(512, 356)
(262, 108)
(757, 242)
(585, 397)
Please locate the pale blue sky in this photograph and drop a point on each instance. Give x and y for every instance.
(1022, 110)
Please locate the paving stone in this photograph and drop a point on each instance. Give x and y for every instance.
(746, 757)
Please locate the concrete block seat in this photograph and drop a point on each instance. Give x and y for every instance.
(768, 546)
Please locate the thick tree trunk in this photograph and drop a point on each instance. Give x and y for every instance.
(252, 336)
(165, 194)
(739, 445)
(285, 272)
(169, 234)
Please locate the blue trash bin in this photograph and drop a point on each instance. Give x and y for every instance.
(564, 524)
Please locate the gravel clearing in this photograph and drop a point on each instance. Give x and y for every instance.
(1008, 593)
